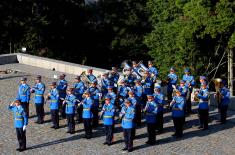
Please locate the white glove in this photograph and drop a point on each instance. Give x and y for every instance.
(24, 127)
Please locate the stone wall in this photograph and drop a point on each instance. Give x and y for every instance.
(46, 63)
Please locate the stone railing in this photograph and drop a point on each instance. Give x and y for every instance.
(46, 63)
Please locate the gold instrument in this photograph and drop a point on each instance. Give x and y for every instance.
(217, 82)
(85, 79)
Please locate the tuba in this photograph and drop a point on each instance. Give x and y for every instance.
(217, 82)
(85, 79)
(142, 68)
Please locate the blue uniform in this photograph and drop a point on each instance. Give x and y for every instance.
(20, 118)
(79, 89)
(70, 101)
(203, 95)
(130, 80)
(128, 114)
(23, 93)
(39, 90)
(104, 85)
(54, 99)
(183, 90)
(154, 71)
(108, 112)
(87, 105)
(172, 81)
(159, 100)
(138, 90)
(226, 96)
(95, 95)
(133, 101)
(92, 78)
(178, 106)
(147, 83)
(114, 77)
(189, 80)
(61, 87)
(122, 91)
(151, 112)
(113, 97)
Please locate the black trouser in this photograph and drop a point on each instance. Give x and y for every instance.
(62, 109)
(128, 137)
(79, 113)
(21, 138)
(109, 133)
(40, 111)
(151, 132)
(188, 105)
(159, 124)
(55, 118)
(25, 106)
(223, 113)
(203, 117)
(138, 114)
(169, 95)
(178, 124)
(71, 122)
(87, 126)
(95, 119)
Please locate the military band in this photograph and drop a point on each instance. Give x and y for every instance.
(133, 96)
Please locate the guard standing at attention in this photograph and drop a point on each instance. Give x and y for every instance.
(150, 111)
(127, 116)
(70, 107)
(39, 89)
(178, 113)
(87, 114)
(108, 113)
(53, 96)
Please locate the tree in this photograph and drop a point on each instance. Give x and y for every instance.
(190, 33)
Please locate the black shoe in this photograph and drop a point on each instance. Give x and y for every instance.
(159, 132)
(178, 136)
(147, 142)
(21, 150)
(72, 132)
(152, 143)
(53, 126)
(173, 134)
(105, 143)
(18, 149)
(36, 122)
(109, 144)
(125, 148)
(130, 150)
(57, 127)
(205, 129)
(68, 132)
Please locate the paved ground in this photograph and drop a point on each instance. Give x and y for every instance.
(41, 139)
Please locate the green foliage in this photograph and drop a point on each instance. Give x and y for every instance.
(190, 32)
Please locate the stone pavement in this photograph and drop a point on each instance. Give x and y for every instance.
(41, 139)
